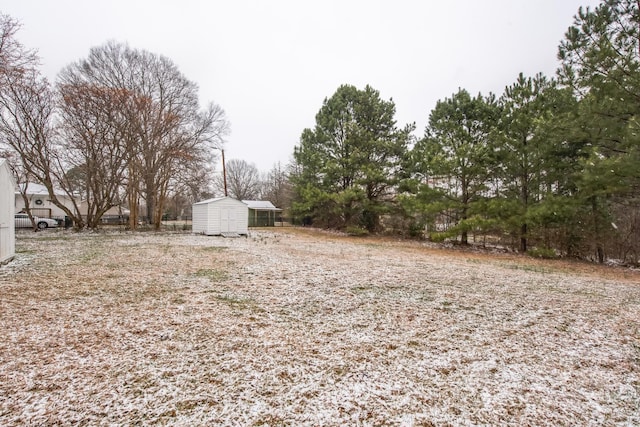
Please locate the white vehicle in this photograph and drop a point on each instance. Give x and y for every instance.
(22, 220)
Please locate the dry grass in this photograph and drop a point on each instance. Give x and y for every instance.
(294, 327)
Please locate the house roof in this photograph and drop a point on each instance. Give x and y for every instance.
(261, 205)
(38, 190)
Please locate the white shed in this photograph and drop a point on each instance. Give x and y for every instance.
(218, 216)
(7, 211)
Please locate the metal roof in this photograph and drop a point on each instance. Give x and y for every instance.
(35, 189)
(261, 205)
(215, 199)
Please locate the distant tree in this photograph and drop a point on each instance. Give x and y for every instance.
(155, 113)
(15, 59)
(94, 132)
(243, 180)
(194, 184)
(26, 113)
(347, 164)
(276, 187)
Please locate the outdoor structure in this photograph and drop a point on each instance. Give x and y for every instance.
(40, 203)
(262, 213)
(7, 210)
(220, 216)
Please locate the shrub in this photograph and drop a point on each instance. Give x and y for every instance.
(356, 231)
(546, 253)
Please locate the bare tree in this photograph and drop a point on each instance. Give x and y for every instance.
(166, 133)
(129, 119)
(243, 180)
(27, 107)
(94, 130)
(15, 59)
(26, 111)
(276, 187)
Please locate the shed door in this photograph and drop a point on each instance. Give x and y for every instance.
(227, 220)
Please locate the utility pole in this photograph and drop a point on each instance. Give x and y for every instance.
(224, 173)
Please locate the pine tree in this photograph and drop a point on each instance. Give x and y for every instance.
(529, 146)
(347, 163)
(455, 160)
(600, 63)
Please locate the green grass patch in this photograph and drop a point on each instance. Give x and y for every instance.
(53, 237)
(528, 267)
(91, 256)
(213, 248)
(25, 251)
(357, 231)
(212, 274)
(544, 253)
(238, 302)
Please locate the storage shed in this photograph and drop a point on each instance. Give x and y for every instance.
(220, 216)
(262, 213)
(7, 211)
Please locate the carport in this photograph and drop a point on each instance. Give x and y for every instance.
(262, 213)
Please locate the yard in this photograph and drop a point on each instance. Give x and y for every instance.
(305, 328)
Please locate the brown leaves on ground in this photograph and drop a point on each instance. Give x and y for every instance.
(293, 327)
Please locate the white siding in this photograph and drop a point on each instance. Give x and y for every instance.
(39, 199)
(242, 220)
(7, 229)
(199, 218)
(216, 216)
(213, 219)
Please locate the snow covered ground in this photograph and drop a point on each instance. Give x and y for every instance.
(303, 328)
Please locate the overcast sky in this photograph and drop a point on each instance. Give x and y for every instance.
(270, 64)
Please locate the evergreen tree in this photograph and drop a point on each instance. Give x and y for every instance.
(347, 164)
(455, 161)
(600, 63)
(530, 143)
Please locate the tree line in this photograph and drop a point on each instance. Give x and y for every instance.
(551, 166)
(122, 127)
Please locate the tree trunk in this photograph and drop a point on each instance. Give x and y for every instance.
(523, 238)
(150, 195)
(597, 231)
(600, 253)
(524, 193)
(464, 236)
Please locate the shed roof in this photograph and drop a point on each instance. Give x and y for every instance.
(217, 199)
(261, 205)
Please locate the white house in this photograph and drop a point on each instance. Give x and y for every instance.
(7, 230)
(220, 216)
(40, 203)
